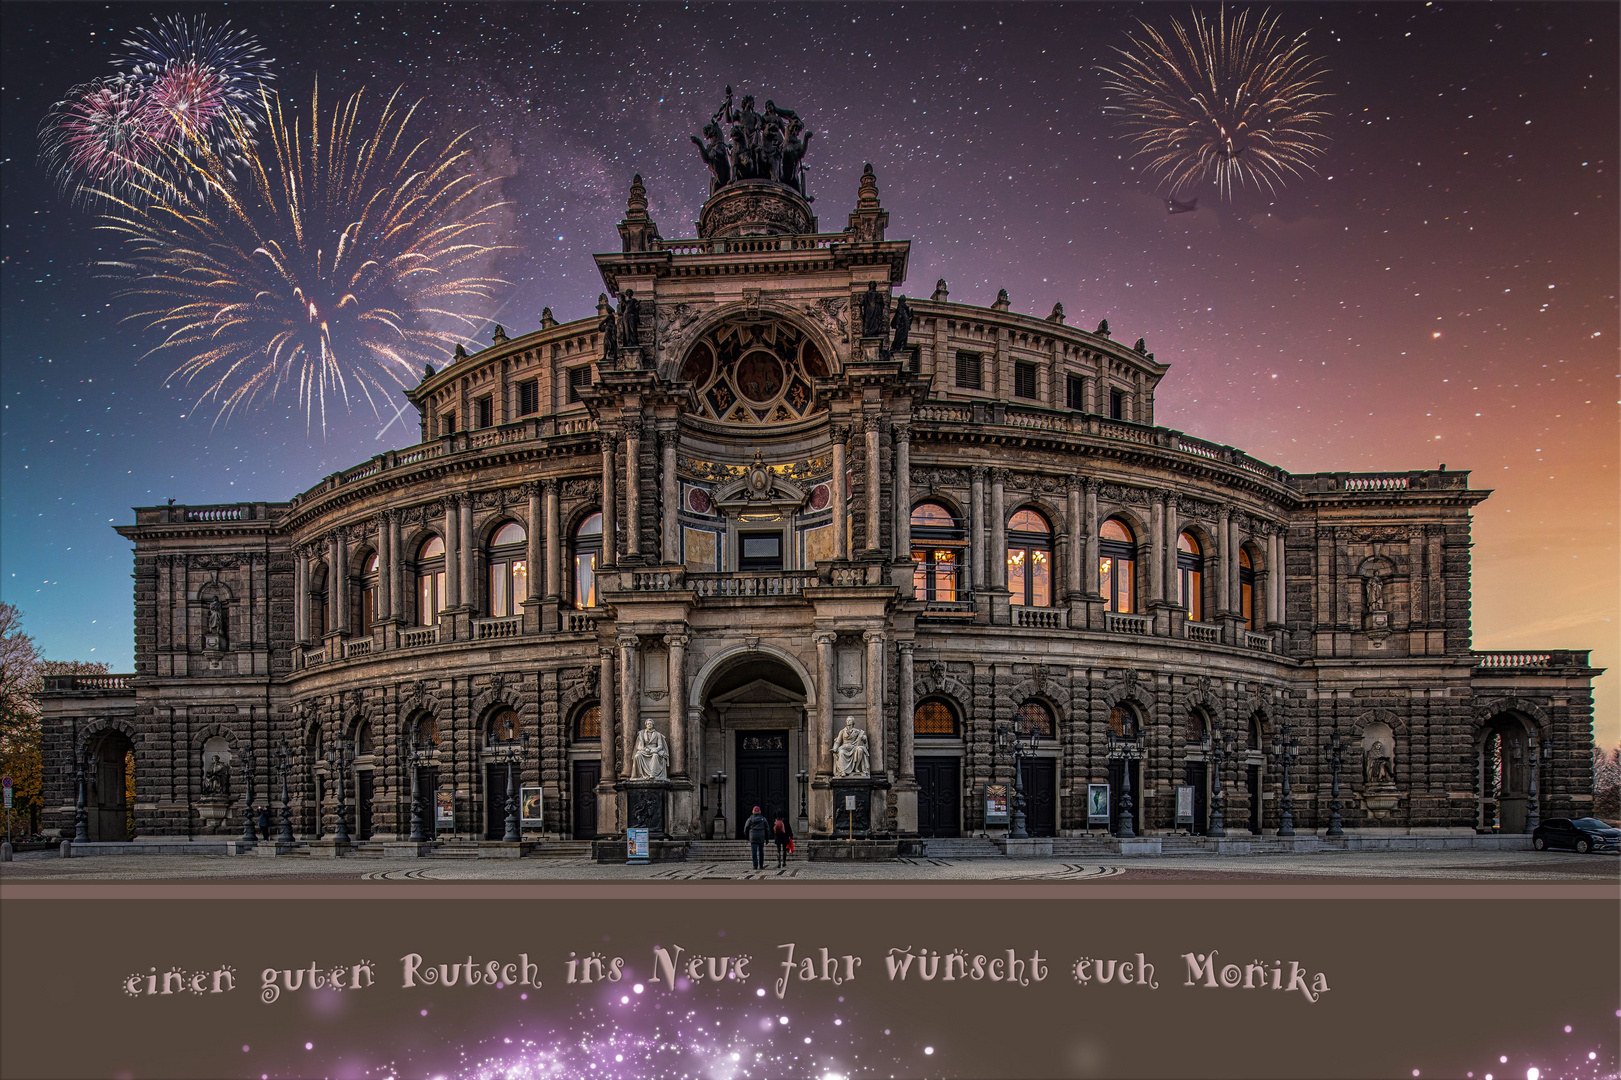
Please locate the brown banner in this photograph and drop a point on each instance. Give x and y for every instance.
(474, 981)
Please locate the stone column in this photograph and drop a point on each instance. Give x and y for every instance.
(610, 531)
(875, 527)
(1077, 538)
(385, 568)
(677, 682)
(337, 582)
(1275, 576)
(1173, 577)
(841, 495)
(301, 597)
(630, 693)
(1235, 590)
(554, 542)
(607, 710)
(905, 706)
(469, 563)
(1089, 392)
(976, 526)
(903, 492)
(532, 554)
(875, 698)
(453, 574)
(822, 724)
(1089, 526)
(1156, 549)
(633, 488)
(1224, 548)
(670, 488)
(396, 570)
(998, 553)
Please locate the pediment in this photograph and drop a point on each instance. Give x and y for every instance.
(759, 692)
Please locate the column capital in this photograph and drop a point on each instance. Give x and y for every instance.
(905, 647)
(608, 440)
(605, 653)
(632, 428)
(976, 473)
(825, 637)
(999, 475)
(629, 640)
(901, 430)
(1074, 484)
(677, 641)
(841, 432)
(870, 636)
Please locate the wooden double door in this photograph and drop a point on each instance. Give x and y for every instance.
(939, 795)
(762, 775)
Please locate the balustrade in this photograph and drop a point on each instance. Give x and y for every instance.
(580, 623)
(509, 626)
(1116, 623)
(1038, 618)
(1259, 642)
(726, 586)
(1513, 659)
(417, 638)
(1204, 633)
(314, 657)
(357, 647)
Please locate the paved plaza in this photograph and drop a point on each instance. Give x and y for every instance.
(1339, 866)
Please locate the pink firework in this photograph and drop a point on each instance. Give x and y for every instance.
(102, 136)
(189, 101)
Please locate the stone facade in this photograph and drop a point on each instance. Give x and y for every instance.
(722, 526)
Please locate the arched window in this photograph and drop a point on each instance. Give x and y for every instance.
(1190, 575)
(430, 581)
(587, 554)
(503, 727)
(364, 743)
(939, 548)
(934, 719)
(368, 593)
(509, 570)
(1117, 566)
(320, 601)
(1034, 718)
(588, 724)
(1123, 722)
(1252, 738)
(1196, 728)
(426, 735)
(1246, 588)
(1030, 559)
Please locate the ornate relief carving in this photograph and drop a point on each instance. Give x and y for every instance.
(582, 489)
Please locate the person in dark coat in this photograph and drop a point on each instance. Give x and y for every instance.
(757, 828)
(783, 834)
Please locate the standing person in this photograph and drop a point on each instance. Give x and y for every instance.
(756, 828)
(784, 836)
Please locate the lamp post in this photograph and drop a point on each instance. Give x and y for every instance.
(248, 833)
(1286, 750)
(417, 755)
(338, 765)
(1532, 818)
(804, 784)
(284, 758)
(1023, 742)
(1214, 827)
(81, 815)
(509, 751)
(1126, 749)
(719, 780)
(1335, 749)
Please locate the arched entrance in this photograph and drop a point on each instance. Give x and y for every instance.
(110, 800)
(753, 746)
(1504, 757)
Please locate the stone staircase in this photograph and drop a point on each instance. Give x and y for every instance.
(725, 851)
(960, 847)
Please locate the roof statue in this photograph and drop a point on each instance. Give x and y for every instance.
(742, 143)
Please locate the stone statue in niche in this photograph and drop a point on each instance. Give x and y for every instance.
(217, 777)
(1379, 768)
(652, 757)
(1374, 592)
(872, 312)
(850, 757)
(609, 327)
(630, 322)
(901, 323)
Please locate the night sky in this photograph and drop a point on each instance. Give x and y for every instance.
(1444, 290)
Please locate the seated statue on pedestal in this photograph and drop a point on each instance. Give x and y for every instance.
(850, 758)
(652, 758)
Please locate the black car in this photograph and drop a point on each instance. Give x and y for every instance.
(1581, 834)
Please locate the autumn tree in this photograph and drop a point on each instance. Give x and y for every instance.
(1607, 783)
(22, 680)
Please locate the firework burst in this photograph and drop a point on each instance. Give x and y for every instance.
(101, 133)
(204, 82)
(1223, 100)
(332, 265)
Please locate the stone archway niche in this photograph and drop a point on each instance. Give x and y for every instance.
(751, 708)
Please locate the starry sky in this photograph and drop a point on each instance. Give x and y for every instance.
(1443, 290)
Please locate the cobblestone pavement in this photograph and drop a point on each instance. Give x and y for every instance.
(1428, 866)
